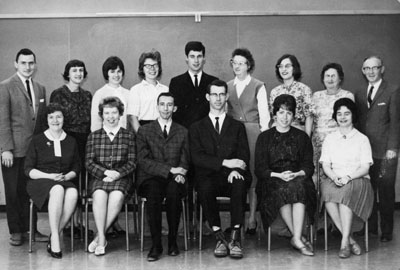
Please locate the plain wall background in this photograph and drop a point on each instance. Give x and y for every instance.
(315, 39)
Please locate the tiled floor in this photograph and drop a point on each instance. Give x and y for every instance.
(381, 256)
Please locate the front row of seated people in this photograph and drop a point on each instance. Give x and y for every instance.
(220, 154)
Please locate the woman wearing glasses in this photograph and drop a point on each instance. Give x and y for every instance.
(143, 96)
(288, 72)
(248, 103)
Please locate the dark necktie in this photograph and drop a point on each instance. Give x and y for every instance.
(369, 99)
(28, 89)
(196, 82)
(217, 125)
(165, 133)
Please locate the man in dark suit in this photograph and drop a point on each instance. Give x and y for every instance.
(379, 112)
(163, 157)
(22, 113)
(189, 88)
(220, 154)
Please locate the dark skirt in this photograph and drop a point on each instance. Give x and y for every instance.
(275, 193)
(357, 195)
(38, 189)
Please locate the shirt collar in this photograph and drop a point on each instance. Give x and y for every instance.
(220, 119)
(23, 79)
(350, 135)
(376, 85)
(113, 130)
(191, 74)
(162, 123)
(146, 83)
(244, 82)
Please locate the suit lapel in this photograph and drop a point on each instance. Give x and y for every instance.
(380, 91)
(20, 86)
(188, 81)
(225, 125)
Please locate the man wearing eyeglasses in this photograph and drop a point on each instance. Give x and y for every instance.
(378, 106)
(220, 154)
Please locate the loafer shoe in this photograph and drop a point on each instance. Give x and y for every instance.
(173, 250)
(92, 246)
(100, 250)
(154, 254)
(16, 239)
(355, 248)
(345, 252)
(386, 238)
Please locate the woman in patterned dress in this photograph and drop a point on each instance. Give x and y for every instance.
(288, 71)
(332, 77)
(110, 161)
(346, 191)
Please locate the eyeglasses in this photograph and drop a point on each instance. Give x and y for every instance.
(240, 64)
(220, 95)
(374, 68)
(287, 66)
(148, 66)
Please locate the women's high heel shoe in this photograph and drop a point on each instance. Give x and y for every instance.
(251, 231)
(303, 249)
(57, 255)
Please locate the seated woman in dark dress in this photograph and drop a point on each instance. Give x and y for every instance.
(51, 162)
(110, 161)
(346, 189)
(284, 166)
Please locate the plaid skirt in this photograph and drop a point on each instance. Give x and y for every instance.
(123, 184)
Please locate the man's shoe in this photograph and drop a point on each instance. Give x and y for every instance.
(154, 254)
(221, 249)
(173, 250)
(16, 239)
(386, 237)
(235, 248)
(39, 237)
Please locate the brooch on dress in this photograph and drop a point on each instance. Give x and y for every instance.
(48, 144)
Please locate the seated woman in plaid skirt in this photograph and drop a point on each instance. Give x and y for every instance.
(110, 161)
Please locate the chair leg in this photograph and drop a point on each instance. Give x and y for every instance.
(194, 216)
(135, 218)
(86, 225)
(142, 226)
(126, 226)
(201, 229)
(72, 232)
(187, 220)
(30, 225)
(269, 238)
(185, 233)
(366, 237)
(326, 230)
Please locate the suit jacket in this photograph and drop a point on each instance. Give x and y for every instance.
(380, 122)
(208, 148)
(18, 120)
(157, 155)
(192, 103)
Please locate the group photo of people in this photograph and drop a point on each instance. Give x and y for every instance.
(286, 152)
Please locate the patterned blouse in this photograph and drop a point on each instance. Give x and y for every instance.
(76, 108)
(323, 121)
(302, 93)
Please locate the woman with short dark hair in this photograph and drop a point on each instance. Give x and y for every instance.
(288, 71)
(284, 166)
(51, 163)
(345, 188)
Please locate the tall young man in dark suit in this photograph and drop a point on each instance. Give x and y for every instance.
(189, 88)
(379, 112)
(220, 154)
(22, 113)
(163, 157)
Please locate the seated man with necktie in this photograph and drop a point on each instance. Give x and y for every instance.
(163, 157)
(220, 154)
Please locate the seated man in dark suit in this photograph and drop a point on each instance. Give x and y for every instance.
(220, 154)
(163, 157)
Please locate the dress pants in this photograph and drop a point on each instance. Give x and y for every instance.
(17, 198)
(155, 190)
(209, 188)
(384, 187)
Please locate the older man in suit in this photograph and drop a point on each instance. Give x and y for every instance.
(163, 157)
(379, 112)
(220, 154)
(22, 113)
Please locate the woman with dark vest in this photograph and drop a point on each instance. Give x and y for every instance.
(248, 103)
